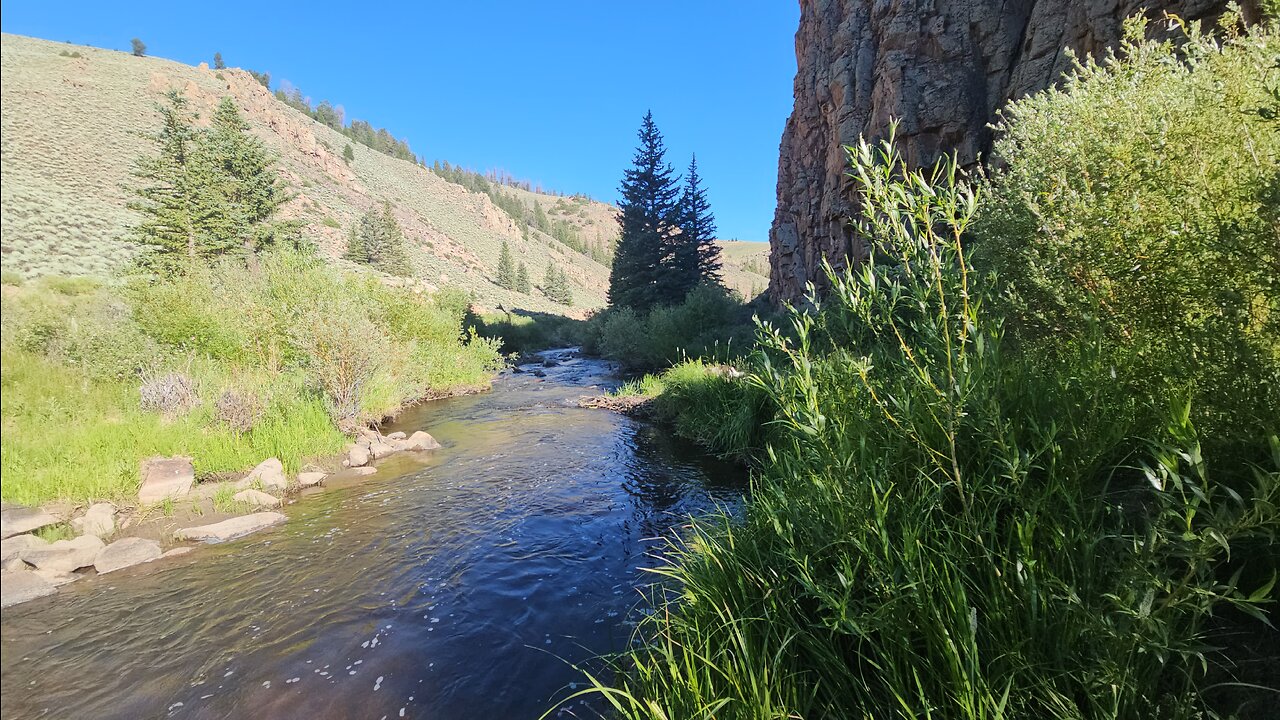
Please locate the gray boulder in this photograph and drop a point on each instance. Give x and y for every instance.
(397, 435)
(56, 578)
(230, 529)
(19, 587)
(421, 440)
(256, 498)
(164, 478)
(307, 479)
(364, 471)
(358, 456)
(64, 555)
(269, 474)
(11, 548)
(380, 450)
(99, 519)
(125, 553)
(18, 520)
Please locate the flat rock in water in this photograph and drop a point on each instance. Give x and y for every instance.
(56, 578)
(125, 553)
(178, 551)
(364, 471)
(397, 435)
(380, 450)
(164, 478)
(18, 520)
(21, 586)
(64, 555)
(421, 440)
(11, 548)
(256, 498)
(230, 529)
(307, 479)
(269, 474)
(100, 520)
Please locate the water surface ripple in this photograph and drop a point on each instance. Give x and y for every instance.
(463, 586)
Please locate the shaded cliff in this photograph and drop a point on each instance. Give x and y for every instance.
(942, 68)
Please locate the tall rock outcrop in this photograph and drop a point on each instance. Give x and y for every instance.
(942, 68)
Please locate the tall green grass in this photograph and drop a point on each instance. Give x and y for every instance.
(309, 352)
(947, 524)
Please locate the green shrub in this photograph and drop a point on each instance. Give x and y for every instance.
(947, 525)
(1139, 203)
(710, 322)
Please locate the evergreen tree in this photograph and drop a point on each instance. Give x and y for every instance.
(555, 285)
(647, 221)
(522, 279)
(139, 47)
(348, 155)
(357, 251)
(506, 268)
(253, 191)
(217, 62)
(697, 256)
(168, 200)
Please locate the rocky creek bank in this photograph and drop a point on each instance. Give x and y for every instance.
(171, 509)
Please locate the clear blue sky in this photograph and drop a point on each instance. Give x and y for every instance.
(550, 91)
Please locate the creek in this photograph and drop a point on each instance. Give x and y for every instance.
(466, 584)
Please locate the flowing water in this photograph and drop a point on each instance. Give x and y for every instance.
(463, 586)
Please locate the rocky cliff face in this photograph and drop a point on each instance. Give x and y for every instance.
(942, 68)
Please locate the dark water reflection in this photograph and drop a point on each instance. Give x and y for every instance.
(462, 588)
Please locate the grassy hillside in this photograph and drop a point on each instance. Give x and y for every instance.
(71, 132)
(746, 266)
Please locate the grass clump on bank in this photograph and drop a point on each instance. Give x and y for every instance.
(948, 520)
(233, 367)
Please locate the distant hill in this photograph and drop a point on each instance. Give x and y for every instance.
(72, 119)
(746, 266)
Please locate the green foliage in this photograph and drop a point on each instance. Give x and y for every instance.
(377, 240)
(277, 362)
(648, 220)
(555, 285)
(218, 64)
(522, 284)
(528, 332)
(263, 78)
(506, 268)
(1138, 206)
(348, 155)
(707, 324)
(209, 192)
(695, 252)
(946, 527)
(139, 48)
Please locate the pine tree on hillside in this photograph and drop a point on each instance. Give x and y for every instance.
(253, 191)
(348, 155)
(555, 285)
(378, 241)
(139, 47)
(506, 268)
(522, 279)
(697, 256)
(647, 219)
(217, 62)
(357, 251)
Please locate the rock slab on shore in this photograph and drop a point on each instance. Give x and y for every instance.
(126, 553)
(269, 474)
(13, 547)
(64, 555)
(21, 586)
(18, 520)
(99, 519)
(256, 498)
(230, 529)
(165, 478)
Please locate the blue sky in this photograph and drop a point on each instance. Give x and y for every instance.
(550, 91)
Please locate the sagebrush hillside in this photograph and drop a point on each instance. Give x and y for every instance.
(71, 130)
(73, 119)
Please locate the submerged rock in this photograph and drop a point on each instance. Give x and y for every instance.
(257, 498)
(64, 555)
(364, 471)
(230, 529)
(20, 587)
(380, 450)
(99, 519)
(421, 440)
(175, 552)
(11, 548)
(164, 478)
(18, 520)
(269, 474)
(56, 578)
(397, 435)
(126, 553)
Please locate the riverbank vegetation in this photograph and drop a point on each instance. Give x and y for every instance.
(1022, 461)
(230, 341)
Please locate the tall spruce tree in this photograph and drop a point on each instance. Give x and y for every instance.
(506, 268)
(378, 241)
(522, 279)
(218, 64)
(697, 256)
(647, 219)
(253, 191)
